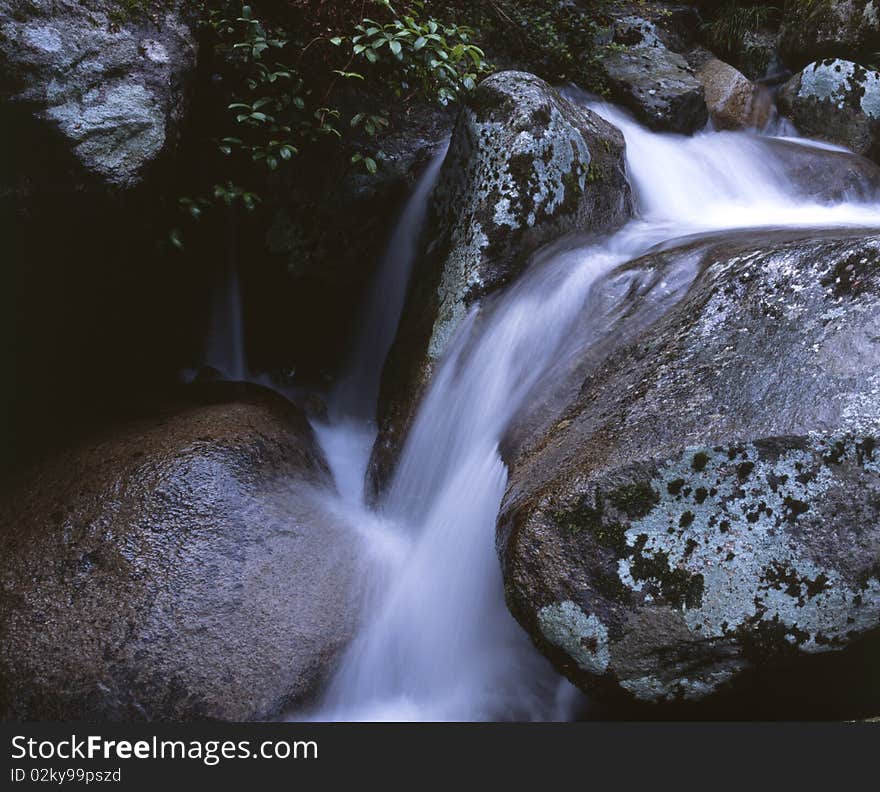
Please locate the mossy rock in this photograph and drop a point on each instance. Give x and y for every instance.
(707, 510)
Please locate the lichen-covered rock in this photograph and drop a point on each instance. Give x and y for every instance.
(701, 507)
(524, 167)
(759, 57)
(830, 28)
(837, 101)
(733, 101)
(111, 81)
(677, 27)
(654, 82)
(178, 567)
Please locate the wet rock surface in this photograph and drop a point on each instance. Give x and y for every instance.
(701, 508)
(178, 567)
(837, 101)
(825, 174)
(111, 83)
(654, 82)
(524, 167)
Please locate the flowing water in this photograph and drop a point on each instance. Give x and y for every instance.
(348, 434)
(225, 351)
(436, 640)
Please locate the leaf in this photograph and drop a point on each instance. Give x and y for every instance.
(419, 43)
(371, 165)
(395, 48)
(371, 56)
(336, 41)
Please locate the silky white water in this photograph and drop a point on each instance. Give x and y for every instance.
(436, 640)
(225, 351)
(348, 434)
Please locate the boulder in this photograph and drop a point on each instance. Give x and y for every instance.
(733, 101)
(830, 28)
(693, 507)
(109, 79)
(822, 174)
(677, 27)
(176, 567)
(760, 59)
(654, 82)
(837, 101)
(524, 167)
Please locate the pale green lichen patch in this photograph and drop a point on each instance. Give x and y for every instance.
(504, 175)
(843, 83)
(727, 515)
(584, 638)
(650, 688)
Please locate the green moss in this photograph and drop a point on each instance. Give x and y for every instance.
(573, 192)
(609, 585)
(125, 10)
(674, 487)
(698, 463)
(769, 638)
(795, 508)
(676, 586)
(634, 500)
(631, 501)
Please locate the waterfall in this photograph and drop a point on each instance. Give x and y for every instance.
(348, 434)
(225, 351)
(436, 641)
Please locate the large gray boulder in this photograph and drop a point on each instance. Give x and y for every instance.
(652, 81)
(701, 497)
(177, 567)
(830, 28)
(837, 101)
(524, 167)
(110, 78)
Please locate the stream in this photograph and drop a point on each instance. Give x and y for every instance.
(436, 641)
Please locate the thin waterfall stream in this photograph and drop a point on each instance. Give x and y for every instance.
(436, 641)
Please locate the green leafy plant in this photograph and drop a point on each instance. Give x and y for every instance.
(558, 41)
(281, 88)
(418, 54)
(727, 30)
